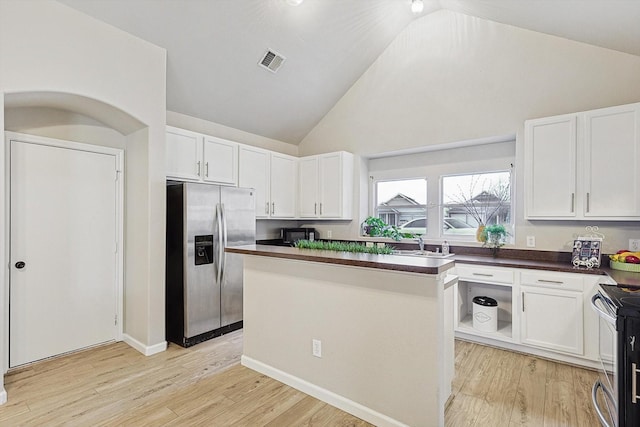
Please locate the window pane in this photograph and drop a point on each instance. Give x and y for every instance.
(471, 200)
(401, 201)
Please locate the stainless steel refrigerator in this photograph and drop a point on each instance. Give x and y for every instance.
(203, 282)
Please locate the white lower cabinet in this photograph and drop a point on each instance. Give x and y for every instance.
(539, 312)
(552, 319)
(495, 283)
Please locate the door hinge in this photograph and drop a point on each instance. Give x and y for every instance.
(115, 320)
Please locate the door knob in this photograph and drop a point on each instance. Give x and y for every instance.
(20, 264)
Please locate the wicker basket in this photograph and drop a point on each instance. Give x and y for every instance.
(625, 267)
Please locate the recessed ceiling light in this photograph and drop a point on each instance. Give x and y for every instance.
(295, 2)
(417, 6)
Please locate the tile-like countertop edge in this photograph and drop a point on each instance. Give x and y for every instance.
(406, 264)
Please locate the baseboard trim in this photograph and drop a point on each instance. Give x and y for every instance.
(147, 350)
(333, 399)
(3, 396)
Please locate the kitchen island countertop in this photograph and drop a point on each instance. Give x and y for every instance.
(409, 264)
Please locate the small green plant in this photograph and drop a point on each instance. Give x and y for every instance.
(375, 227)
(494, 237)
(343, 247)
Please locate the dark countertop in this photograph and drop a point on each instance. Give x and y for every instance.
(408, 264)
(517, 258)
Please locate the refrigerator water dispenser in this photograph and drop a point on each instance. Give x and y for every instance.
(203, 249)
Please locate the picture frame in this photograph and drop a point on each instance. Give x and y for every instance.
(586, 252)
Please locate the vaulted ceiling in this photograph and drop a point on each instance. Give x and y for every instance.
(214, 46)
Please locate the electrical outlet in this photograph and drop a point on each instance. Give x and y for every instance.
(329, 234)
(316, 348)
(634, 245)
(531, 241)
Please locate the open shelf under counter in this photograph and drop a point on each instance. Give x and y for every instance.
(504, 332)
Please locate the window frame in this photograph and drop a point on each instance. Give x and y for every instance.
(374, 192)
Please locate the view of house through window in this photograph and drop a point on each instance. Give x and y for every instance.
(472, 200)
(403, 203)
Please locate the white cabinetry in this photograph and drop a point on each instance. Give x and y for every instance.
(612, 162)
(539, 312)
(574, 165)
(326, 186)
(192, 156)
(183, 154)
(220, 161)
(274, 177)
(550, 167)
(496, 283)
(552, 311)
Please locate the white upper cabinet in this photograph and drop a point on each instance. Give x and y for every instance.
(183, 154)
(584, 165)
(326, 186)
(309, 186)
(191, 156)
(254, 173)
(284, 172)
(550, 179)
(274, 177)
(612, 162)
(220, 161)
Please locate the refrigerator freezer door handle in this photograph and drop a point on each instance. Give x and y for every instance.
(223, 255)
(220, 245)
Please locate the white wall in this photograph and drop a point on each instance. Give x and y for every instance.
(100, 72)
(450, 77)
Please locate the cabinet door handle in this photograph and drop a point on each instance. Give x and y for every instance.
(266, 208)
(483, 274)
(573, 202)
(588, 203)
(523, 301)
(554, 282)
(206, 169)
(273, 208)
(315, 209)
(320, 208)
(634, 383)
(198, 167)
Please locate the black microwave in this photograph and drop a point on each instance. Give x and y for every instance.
(292, 235)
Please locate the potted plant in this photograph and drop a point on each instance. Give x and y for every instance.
(494, 237)
(375, 227)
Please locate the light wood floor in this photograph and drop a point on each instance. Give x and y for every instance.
(115, 385)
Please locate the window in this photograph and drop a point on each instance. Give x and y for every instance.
(471, 200)
(401, 202)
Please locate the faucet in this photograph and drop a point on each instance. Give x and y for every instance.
(420, 241)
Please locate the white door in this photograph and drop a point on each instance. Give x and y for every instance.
(63, 280)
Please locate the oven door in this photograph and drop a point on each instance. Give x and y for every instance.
(606, 402)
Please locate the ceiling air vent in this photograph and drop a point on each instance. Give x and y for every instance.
(271, 61)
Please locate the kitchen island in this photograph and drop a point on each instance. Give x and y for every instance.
(377, 324)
